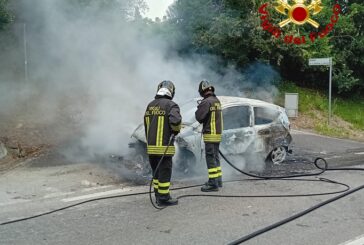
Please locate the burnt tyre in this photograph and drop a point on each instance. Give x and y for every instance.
(278, 155)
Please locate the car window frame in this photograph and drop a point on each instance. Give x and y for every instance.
(224, 107)
(265, 124)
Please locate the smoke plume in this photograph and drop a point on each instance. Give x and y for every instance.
(92, 71)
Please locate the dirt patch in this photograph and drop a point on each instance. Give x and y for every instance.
(25, 137)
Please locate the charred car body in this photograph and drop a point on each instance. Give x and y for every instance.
(252, 128)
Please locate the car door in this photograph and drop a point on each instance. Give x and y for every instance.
(238, 132)
(264, 126)
(271, 127)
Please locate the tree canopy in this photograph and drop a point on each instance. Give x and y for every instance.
(232, 30)
(5, 16)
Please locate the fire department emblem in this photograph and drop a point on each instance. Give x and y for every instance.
(299, 13)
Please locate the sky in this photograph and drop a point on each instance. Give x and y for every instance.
(157, 8)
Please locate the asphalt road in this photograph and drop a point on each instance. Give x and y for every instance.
(34, 189)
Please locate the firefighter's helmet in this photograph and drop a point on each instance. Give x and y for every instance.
(166, 88)
(205, 86)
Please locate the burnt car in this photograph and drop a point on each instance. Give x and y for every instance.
(253, 129)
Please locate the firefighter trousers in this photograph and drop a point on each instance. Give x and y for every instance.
(213, 161)
(162, 177)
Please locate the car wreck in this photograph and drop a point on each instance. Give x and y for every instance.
(252, 129)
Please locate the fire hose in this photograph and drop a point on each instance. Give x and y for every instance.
(322, 169)
(300, 214)
(155, 171)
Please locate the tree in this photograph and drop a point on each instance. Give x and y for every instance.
(231, 29)
(5, 16)
(125, 8)
(188, 20)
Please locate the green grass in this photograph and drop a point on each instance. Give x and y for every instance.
(351, 110)
(308, 99)
(325, 129)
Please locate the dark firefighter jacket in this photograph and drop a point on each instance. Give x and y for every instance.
(210, 114)
(162, 119)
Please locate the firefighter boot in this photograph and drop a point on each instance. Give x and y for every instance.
(219, 181)
(211, 185)
(166, 200)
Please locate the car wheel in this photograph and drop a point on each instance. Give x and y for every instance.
(278, 155)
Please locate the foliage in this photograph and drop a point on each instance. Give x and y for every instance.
(231, 30)
(5, 16)
(126, 9)
(188, 21)
(351, 110)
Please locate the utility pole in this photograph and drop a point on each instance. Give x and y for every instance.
(25, 54)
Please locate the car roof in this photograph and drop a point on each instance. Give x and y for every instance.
(231, 100)
(188, 108)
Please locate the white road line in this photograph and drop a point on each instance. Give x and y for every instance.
(356, 241)
(333, 157)
(14, 202)
(58, 194)
(359, 153)
(96, 188)
(94, 195)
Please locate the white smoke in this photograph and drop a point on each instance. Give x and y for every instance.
(99, 69)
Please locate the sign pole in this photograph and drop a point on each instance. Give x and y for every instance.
(324, 62)
(330, 89)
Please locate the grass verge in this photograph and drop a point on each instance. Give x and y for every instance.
(347, 115)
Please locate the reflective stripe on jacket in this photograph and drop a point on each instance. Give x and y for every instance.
(210, 114)
(162, 118)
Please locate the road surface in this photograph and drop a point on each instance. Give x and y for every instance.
(34, 188)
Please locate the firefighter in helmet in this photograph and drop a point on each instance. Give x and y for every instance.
(161, 120)
(209, 113)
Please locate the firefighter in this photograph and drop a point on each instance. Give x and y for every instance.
(161, 120)
(209, 113)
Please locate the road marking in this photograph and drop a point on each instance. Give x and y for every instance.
(14, 202)
(356, 241)
(359, 153)
(333, 157)
(96, 188)
(95, 195)
(58, 194)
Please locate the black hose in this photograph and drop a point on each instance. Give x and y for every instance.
(180, 197)
(70, 206)
(347, 187)
(156, 169)
(322, 170)
(192, 186)
(335, 169)
(293, 217)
